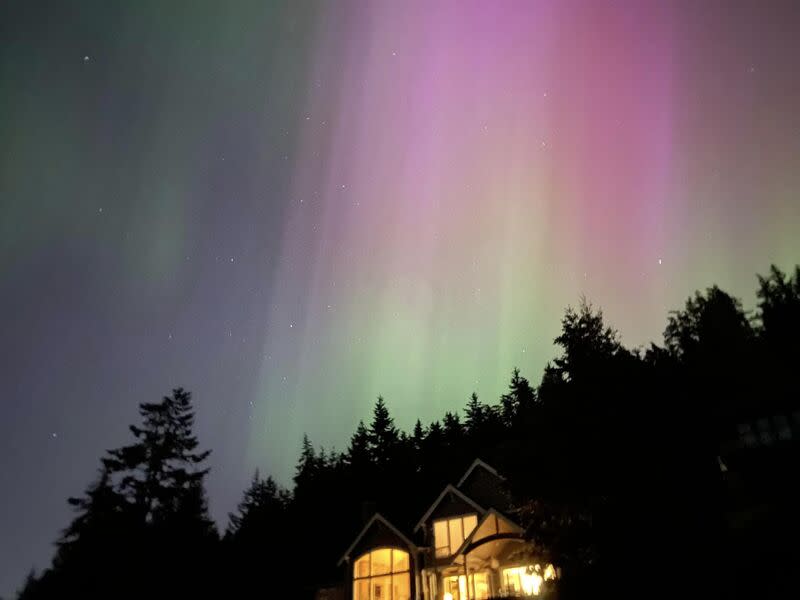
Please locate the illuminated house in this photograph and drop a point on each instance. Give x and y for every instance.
(463, 548)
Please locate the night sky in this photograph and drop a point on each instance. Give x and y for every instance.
(291, 208)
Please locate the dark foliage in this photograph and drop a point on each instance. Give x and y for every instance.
(142, 529)
(614, 460)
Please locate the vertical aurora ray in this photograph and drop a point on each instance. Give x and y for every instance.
(466, 170)
(291, 207)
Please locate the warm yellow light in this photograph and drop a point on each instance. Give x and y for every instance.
(449, 534)
(531, 582)
(448, 596)
(528, 580)
(382, 574)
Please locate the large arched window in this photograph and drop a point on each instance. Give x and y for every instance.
(383, 574)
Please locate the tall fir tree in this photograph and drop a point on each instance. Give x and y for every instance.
(162, 470)
(453, 430)
(306, 470)
(262, 505)
(383, 435)
(143, 527)
(474, 415)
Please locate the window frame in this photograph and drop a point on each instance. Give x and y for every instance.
(446, 521)
(391, 574)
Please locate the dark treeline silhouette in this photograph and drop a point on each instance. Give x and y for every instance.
(625, 465)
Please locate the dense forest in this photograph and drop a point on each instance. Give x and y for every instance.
(618, 459)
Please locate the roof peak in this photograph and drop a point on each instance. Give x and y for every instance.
(454, 490)
(475, 464)
(383, 520)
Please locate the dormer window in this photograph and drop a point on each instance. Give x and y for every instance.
(449, 534)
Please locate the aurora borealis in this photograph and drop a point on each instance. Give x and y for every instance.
(292, 208)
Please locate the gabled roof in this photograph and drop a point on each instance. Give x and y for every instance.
(478, 463)
(491, 512)
(449, 489)
(377, 517)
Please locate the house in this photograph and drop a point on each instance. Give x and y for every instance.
(464, 547)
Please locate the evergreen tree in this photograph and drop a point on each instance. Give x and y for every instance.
(435, 438)
(260, 509)
(142, 529)
(99, 512)
(714, 342)
(453, 431)
(383, 435)
(306, 469)
(30, 589)
(517, 405)
(779, 310)
(88, 549)
(418, 440)
(778, 331)
(586, 341)
(358, 452)
(259, 519)
(475, 415)
(163, 469)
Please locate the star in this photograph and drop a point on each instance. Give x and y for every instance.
(54, 435)
(86, 58)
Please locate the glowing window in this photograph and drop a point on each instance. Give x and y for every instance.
(449, 534)
(381, 561)
(399, 561)
(470, 522)
(526, 580)
(473, 587)
(383, 574)
(440, 538)
(456, 531)
(455, 587)
(362, 566)
(479, 586)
